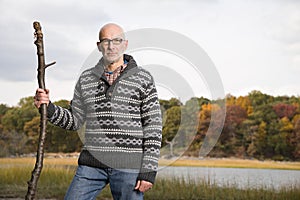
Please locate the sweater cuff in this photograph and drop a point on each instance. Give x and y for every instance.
(147, 176)
(50, 109)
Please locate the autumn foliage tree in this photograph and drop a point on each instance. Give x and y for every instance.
(285, 110)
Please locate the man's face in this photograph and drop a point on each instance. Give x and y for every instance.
(112, 44)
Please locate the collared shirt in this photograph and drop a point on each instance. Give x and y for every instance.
(112, 76)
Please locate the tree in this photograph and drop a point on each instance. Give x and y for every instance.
(245, 103)
(31, 130)
(20, 131)
(257, 98)
(258, 142)
(282, 147)
(171, 127)
(190, 125)
(166, 104)
(13, 123)
(285, 110)
(205, 119)
(296, 137)
(16, 117)
(231, 141)
(210, 119)
(3, 109)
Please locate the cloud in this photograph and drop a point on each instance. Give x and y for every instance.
(283, 27)
(64, 26)
(252, 43)
(16, 54)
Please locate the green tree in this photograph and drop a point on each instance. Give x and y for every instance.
(166, 104)
(32, 130)
(3, 109)
(13, 122)
(257, 98)
(16, 117)
(171, 127)
(190, 125)
(296, 137)
(258, 142)
(283, 148)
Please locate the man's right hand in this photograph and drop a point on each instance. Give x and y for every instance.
(41, 96)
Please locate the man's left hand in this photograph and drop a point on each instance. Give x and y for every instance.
(143, 186)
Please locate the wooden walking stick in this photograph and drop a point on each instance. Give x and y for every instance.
(32, 184)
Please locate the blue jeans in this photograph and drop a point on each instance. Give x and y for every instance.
(88, 182)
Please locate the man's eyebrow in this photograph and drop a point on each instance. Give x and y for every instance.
(112, 38)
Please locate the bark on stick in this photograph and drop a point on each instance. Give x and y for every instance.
(32, 184)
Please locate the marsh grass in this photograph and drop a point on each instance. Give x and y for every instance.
(58, 173)
(231, 163)
(52, 182)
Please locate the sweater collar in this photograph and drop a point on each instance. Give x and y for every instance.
(98, 70)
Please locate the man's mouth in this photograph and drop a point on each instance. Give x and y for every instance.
(111, 54)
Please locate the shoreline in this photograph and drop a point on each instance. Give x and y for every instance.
(71, 159)
(229, 163)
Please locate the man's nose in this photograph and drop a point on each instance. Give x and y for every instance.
(110, 44)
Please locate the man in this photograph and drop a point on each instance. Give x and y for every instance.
(116, 102)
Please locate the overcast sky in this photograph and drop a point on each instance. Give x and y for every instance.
(254, 45)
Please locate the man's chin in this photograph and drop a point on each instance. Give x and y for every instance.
(112, 60)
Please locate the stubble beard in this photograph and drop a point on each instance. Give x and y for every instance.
(112, 60)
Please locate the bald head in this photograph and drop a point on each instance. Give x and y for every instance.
(110, 31)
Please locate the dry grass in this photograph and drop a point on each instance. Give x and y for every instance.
(231, 163)
(189, 162)
(31, 161)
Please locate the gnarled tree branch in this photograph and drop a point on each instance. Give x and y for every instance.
(32, 184)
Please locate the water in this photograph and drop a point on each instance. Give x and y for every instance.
(239, 177)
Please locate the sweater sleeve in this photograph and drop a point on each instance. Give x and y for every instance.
(152, 131)
(69, 119)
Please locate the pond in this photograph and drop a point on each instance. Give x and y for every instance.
(239, 177)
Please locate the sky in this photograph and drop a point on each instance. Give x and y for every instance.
(254, 45)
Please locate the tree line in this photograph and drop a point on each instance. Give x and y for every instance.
(257, 126)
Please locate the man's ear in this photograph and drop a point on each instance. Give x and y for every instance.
(98, 45)
(126, 44)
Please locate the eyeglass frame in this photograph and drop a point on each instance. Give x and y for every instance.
(108, 41)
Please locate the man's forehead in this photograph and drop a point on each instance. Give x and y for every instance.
(111, 34)
(111, 30)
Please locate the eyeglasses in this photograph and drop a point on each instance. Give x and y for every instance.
(115, 41)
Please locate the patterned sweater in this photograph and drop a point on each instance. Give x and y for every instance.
(121, 123)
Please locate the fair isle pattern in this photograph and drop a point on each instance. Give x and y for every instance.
(123, 121)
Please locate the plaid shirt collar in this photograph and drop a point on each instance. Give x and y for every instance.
(111, 76)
